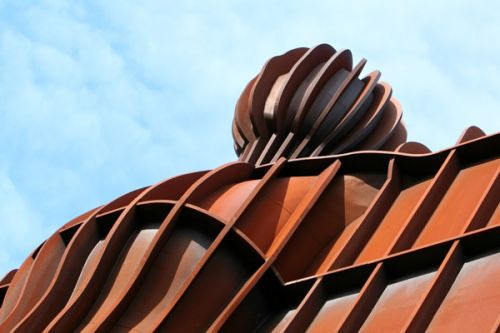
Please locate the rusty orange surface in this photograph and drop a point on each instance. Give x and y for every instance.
(330, 221)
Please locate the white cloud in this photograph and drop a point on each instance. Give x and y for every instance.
(22, 228)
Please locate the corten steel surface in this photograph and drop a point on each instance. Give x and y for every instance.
(386, 241)
(311, 102)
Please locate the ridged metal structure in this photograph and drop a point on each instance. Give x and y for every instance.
(404, 240)
(310, 102)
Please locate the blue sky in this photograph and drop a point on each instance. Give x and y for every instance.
(101, 97)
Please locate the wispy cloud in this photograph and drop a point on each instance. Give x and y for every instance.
(20, 224)
(100, 97)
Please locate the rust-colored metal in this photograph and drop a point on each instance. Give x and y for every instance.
(310, 102)
(329, 222)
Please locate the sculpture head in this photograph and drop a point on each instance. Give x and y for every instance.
(311, 102)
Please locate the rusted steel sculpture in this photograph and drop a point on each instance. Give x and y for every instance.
(329, 222)
(310, 102)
